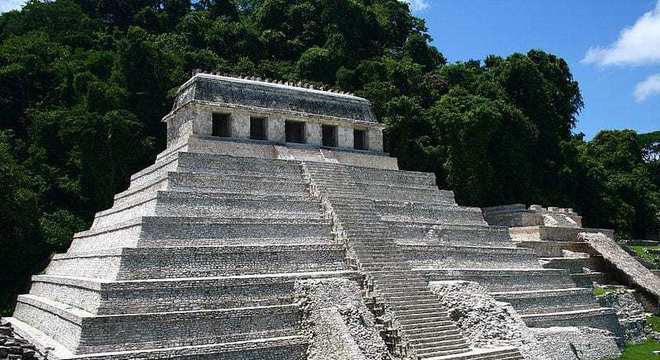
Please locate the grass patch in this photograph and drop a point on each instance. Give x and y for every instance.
(650, 254)
(600, 291)
(654, 322)
(643, 351)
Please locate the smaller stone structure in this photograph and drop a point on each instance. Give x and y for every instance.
(491, 323)
(552, 233)
(629, 269)
(591, 256)
(517, 215)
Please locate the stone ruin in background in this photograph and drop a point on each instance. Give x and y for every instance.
(273, 226)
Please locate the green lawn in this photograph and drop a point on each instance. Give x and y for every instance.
(600, 291)
(648, 254)
(643, 351)
(654, 321)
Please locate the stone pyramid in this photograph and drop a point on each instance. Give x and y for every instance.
(263, 185)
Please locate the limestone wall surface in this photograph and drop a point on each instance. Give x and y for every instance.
(489, 323)
(485, 321)
(338, 324)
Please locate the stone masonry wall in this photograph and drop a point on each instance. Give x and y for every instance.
(337, 323)
(487, 323)
(490, 323)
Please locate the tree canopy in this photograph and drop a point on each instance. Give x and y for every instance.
(84, 83)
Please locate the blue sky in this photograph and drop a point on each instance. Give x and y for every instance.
(612, 47)
(618, 69)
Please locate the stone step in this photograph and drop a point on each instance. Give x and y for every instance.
(600, 318)
(554, 248)
(389, 288)
(274, 348)
(181, 262)
(212, 163)
(442, 351)
(373, 264)
(414, 305)
(440, 344)
(157, 170)
(441, 332)
(427, 311)
(85, 333)
(210, 204)
(103, 297)
(506, 279)
(553, 233)
(455, 234)
(421, 318)
(587, 279)
(574, 265)
(142, 231)
(139, 194)
(387, 193)
(184, 203)
(185, 181)
(411, 299)
(394, 284)
(485, 354)
(456, 257)
(422, 328)
(432, 214)
(367, 176)
(431, 338)
(548, 301)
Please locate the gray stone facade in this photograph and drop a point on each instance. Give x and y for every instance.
(190, 123)
(230, 247)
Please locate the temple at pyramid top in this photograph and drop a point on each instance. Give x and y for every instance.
(247, 117)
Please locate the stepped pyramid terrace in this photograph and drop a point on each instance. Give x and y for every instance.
(273, 226)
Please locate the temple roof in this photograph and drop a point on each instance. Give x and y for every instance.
(269, 95)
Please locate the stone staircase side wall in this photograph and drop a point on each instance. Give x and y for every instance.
(634, 272)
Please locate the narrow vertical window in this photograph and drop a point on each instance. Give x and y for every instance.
(221, 125)
(329, 135)
(258, 128)
(359, 139)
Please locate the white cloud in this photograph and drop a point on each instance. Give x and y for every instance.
(8, 5)
(636, 45)
(647, 88)
(419, 5)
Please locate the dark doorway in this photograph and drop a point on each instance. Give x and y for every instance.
(294, 131)
(221, 125)
(329, 135)
(258, 128)
(359, 139)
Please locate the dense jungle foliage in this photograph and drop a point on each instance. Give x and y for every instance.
(84, 84)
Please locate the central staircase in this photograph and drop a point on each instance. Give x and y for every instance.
(418, 326)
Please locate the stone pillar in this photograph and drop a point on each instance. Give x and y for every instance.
(313, 134)
(203, 124)
(375, 139)
(276, 129)
(345, 137)
(240, 125)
